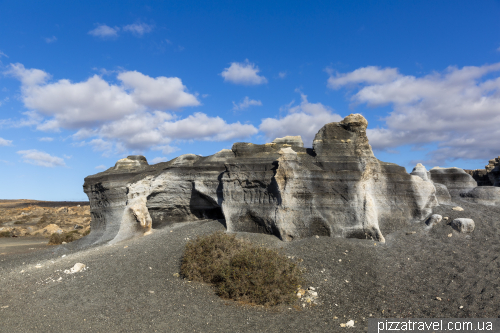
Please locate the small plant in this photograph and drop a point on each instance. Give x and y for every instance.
(56, 238)
(241, 271)
(5, 234)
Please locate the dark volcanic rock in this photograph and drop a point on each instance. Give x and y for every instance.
(456, 180)
(336, 189)
(480, 176)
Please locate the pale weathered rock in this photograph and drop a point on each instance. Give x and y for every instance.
(78, 267)
(463, 225)
(433, 220)
(458, 209)
(486, 195)
(442, 194)
(456, 180)
(294, 141)
(421, 171)
(131, 162)
(336, 189)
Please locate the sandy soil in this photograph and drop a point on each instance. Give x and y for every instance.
(131, 286)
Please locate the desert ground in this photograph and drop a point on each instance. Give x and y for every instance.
(134, 285)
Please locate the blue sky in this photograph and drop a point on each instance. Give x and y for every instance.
(83, 84)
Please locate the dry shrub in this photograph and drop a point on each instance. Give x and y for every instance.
(5, 234)
(56, 238)
(241, 271)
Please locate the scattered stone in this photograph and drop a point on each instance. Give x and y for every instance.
(446, 218)
(450, 234)
(77, 226)
(439, 298)
(411, 232)
(461, 307)
(4, 307)
(433, 220)
(463, 225)
(458, 209)
(78, 267)
(176, 275)
(350, 323)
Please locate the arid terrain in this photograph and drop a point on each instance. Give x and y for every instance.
(35, 221)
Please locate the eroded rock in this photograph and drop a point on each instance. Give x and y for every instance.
(463, 225)
(338, 189)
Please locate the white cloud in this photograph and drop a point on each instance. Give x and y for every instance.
(95, 101)
(46, 139)
(114, 118)
(29, 77)
(4, 142)
(157, 93)
(282, 75)
(138, 29)
(457, 109)
(305, 120)
(104, 31)
(52, 39)
(158, 160)
(247, 102)
(41, 158)
(3, 55)
(243, 73)
(101, 167)
(370, 74)
(202, 127)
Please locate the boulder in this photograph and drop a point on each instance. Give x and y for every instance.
(486, 195)
(456, 180)
(433, 220)
(131, 162)
(442, 194)
(421, 171)
(463, 225)
(338, 189)
(294, 141)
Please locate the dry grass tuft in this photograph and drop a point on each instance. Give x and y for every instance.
(241, 271)
(56, 239)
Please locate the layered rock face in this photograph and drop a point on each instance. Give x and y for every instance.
(337, 188)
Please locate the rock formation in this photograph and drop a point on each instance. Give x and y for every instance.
(489, 176)
(338, 188)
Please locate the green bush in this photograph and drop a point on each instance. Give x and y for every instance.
(56, 238)
(241, 271)
(5, 234)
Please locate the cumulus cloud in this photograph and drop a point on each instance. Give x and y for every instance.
(138, 29)
(458, 109)
(158, 160)
(305, 119)
(118, 117)
(157, 93)
(247, 102)
(243, 73)
(41, 158)
(52, 39)
(4, 142)
(95, 101)
(46, 139)
(370, 75)
(104, 31)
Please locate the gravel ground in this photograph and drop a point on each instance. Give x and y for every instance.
(132, 286)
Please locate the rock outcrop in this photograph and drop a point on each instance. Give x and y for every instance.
(493, 171)
(338, 188)
(489, 176)
(456, 180)
(442, 194)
